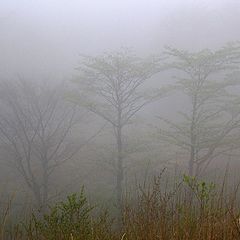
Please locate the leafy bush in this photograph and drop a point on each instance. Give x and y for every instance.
(66, 220)
(202, 190)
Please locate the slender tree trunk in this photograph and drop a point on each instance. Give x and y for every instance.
(45, 186)
(119, 168)
(191, 163)
(37, 194)
(192, 138)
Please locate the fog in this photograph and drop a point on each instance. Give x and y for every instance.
(44, 38)
(78, 109)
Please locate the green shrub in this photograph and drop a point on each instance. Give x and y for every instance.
(202, 190)
(66, 220)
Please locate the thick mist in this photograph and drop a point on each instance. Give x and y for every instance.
(109, 94)
(45, 38)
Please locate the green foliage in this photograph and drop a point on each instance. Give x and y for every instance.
(202, 190)
(65, 220)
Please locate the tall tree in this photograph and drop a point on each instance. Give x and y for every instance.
(111, 86)
(203, 79)
(35, 126)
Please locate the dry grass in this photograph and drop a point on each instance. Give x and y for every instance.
(180, 214)
(159, 212)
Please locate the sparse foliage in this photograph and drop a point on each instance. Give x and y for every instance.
(111, 86)
(35, 125)
(205, 79)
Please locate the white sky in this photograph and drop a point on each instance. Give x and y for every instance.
(44, 37)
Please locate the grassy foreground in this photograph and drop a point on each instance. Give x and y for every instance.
(187, 210)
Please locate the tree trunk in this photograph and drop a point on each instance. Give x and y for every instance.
(45, 185)
(192, 138)
(119, 168)
(37, 194)
(191, 162)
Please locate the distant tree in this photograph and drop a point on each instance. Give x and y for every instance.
(203, 77)
(35, 125)
(111, 86)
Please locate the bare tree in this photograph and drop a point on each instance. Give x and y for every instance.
(110, 86)
(35, 125)
(203, 77)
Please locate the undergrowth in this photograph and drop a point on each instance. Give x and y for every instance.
(190, 209)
